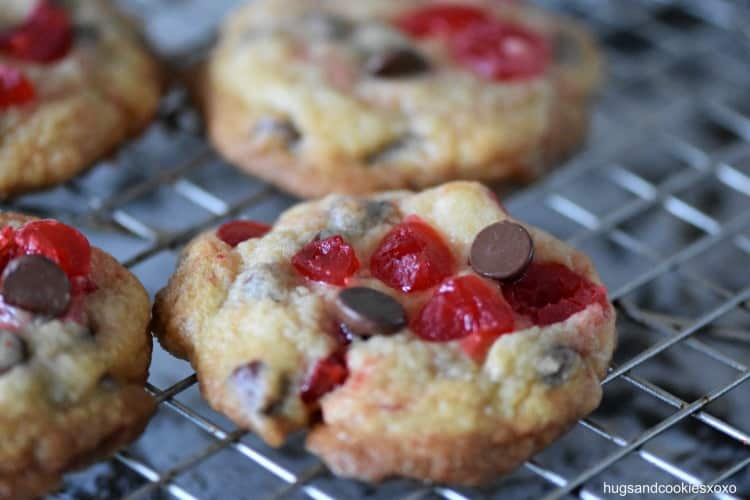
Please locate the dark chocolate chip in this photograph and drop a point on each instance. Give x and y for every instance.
(276, 129)
(353, 217)
(37, 284)
(259, 390)
(86, 33)
(107, 382)
(327, 26)
(395, 63)
(366, 311)
(378, 211)
(12, 351)
(501, 251)
(555, 365)
(390, 151)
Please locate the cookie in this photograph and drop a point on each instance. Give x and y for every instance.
(74, 355)
(353, 97)
(75, 81)
(381, 324)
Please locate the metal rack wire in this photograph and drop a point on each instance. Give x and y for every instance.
(659, 198)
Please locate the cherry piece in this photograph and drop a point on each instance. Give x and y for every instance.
(498, 50)
(45, 36)
(328, 374)
(440, 20)
(60, 243)
(550, 292)
(331, 260)
(15, 88)
(7, 245)
(467, 308)
(412, 257)
(235, 232)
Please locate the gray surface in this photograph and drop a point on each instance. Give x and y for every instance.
(660, 199)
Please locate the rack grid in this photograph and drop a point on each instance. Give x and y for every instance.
(659, 198)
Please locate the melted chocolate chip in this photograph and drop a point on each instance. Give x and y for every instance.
(277, 130)
(366, 311)
(501, 251)
(12, 351)
(396, 63)
(327, 26)
(86, 33)
(37, 284)
(259, 390)
(354, 217)
(107, 382)
(556, 364)
(392, 150)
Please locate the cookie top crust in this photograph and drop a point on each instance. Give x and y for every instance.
(71, 379)
(348, 101)
(264, 336)
(91, 84)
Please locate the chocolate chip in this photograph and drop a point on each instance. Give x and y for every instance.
(501, 251)
(366, 311)
(353, 217)
(258, 388)
(12, 351)
(395, 63)
(86, 33)
(327, 26)
(37, 284)
(107, 382)
(555, 365)
(392, 150)
(276, 130)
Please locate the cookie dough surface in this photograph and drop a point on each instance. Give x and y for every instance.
(103, 91)
(287, 96)
(73, 392)
(254, 329)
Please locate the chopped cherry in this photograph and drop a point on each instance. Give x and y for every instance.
(58, 242)
(15, 88)
(412, 257)
(500, 50)
(328, 374)
(440, 20)
(466, 308)
(7, 246)
(550, 292)
(490, 47)
(45, 36)
(331, 260)
(235, 232)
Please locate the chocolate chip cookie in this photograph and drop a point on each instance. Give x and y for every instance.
(75, 81)
(353, 97)
(74, 355)
(427, 335)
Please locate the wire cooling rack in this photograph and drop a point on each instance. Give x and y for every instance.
(659, 198)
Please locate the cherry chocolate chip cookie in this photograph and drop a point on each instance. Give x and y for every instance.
(74, 355)
(427, 335)
(75, 81)
(321, 96)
